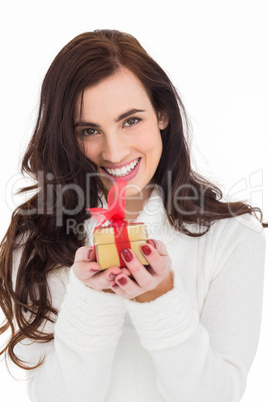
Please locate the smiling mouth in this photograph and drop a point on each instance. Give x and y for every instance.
(124, 171)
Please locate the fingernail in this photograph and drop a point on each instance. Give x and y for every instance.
(122, 281)
(127, 255)
(115, 286)
(88, 254)
(146, 249)
(154, 243)
(112, 276)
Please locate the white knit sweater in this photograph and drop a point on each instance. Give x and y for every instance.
(196, 343)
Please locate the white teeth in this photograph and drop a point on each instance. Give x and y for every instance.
(124, 170)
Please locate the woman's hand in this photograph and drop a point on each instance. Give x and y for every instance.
(149, 282)
(88, 270)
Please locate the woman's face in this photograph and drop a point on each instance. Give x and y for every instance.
(120, 132)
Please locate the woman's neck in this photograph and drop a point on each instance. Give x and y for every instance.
(135, 203)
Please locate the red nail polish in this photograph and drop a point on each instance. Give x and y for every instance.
(127, 255)
(154, 243)
(146, 249)
(122, 281)
(112, 276)
(88, 254)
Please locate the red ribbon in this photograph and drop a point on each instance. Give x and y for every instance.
(115, 213)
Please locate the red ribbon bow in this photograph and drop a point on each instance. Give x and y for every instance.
(115, 213)
(116, 205)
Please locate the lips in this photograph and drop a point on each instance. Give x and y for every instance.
(123, 171)
(127, 171)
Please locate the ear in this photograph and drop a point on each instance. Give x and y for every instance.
(163, 120)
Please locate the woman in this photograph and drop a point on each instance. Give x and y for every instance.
(186, 327)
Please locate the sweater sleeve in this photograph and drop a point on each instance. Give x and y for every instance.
(78, 363)
(205, 356)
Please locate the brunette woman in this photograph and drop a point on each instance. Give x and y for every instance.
(184, 328)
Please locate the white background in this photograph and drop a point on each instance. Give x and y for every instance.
(216, 55)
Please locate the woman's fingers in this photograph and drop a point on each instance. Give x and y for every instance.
(103, 278)
(85, 253)
(131, 280)
(125, 286)
(84, 265)
(88, 270)
(157, 258)
(139, 272)
(146, 278)
(159, 246)
(85, 269)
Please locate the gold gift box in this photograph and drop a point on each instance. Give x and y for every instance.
(106, 251)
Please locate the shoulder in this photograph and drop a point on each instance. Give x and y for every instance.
(238, 228)
(238, 240)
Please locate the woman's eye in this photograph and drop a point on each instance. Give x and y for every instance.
(132, 121)
(87, 132)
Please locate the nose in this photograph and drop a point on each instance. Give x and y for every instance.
(114, 149)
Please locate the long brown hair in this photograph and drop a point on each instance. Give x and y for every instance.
(59, 167)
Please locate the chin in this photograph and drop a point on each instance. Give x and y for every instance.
(132, 192)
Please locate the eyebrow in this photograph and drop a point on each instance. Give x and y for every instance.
(119, 118)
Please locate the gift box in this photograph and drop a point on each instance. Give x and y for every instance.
(109, 245)
(110, 241)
